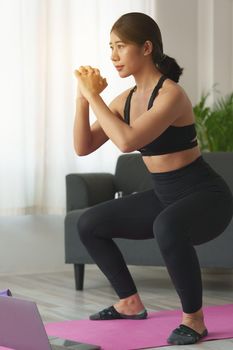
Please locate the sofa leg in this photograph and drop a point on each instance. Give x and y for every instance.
(79, 276)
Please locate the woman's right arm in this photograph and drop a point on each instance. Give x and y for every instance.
(86, 138)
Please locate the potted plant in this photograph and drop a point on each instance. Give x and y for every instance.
(214, 124)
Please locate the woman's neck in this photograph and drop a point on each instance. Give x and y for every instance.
(146, 79)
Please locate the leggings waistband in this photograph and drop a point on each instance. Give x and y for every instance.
(178, 171)
(175, 184)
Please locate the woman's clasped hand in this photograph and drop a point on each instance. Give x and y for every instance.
(90, 81)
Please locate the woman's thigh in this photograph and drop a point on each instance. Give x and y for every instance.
(128, 217)
(200, 216)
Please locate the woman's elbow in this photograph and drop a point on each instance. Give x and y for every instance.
(81, 152)
(126, 147)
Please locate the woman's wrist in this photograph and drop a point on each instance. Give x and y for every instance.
(81, 99)
(92, 96)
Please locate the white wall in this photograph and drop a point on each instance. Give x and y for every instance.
(178, 24)
(199, 34)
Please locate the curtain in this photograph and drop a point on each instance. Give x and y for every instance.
(42, 42)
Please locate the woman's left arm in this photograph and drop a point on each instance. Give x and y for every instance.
(145, 128)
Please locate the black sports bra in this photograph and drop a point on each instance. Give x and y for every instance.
(173, 139)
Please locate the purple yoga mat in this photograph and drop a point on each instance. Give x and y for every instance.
(5, 293)
(142, 334)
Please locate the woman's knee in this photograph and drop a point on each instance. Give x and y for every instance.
(85, 226)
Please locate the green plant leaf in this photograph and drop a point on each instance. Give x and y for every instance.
(214, 124)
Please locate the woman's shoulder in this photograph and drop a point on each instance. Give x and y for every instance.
(173, 90)
(171, 87)
(176, 94)
(118, 103)
(122, 96)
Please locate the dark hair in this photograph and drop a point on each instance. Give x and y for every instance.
(136, 27)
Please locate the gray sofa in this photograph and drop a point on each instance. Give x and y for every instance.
(84, 190)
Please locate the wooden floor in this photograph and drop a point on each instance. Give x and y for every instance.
(58, 300)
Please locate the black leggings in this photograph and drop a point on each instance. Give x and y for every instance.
(187, 207)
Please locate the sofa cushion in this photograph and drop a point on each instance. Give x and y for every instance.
(131, 174)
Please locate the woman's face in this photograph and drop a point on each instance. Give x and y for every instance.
(128, 58)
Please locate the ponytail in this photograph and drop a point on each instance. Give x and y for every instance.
(169, 67)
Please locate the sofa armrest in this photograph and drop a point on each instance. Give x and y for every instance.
(87, 189)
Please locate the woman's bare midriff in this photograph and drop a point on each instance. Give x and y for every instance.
(171, 161)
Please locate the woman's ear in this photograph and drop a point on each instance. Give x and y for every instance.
(148, 47)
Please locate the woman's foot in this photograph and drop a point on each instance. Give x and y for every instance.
(194, 321)
(130, 306)
(110, 313)
(191, 330)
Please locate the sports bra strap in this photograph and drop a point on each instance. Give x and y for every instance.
(156, 90)
(127, 106)
(150, 104)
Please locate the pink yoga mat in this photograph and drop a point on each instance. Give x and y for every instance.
(5, 293)
(142, 334)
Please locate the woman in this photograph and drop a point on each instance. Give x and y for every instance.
(156, 118)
